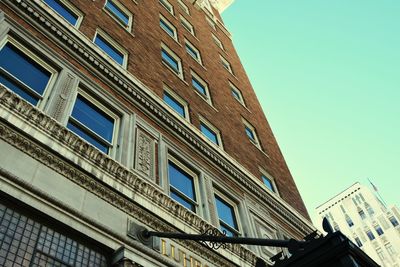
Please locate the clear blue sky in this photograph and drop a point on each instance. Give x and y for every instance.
(327, 74)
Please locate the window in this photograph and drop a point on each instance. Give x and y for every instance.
(349, 221)
(168, 27)
(182, 184)
(176, 103)
(93, 122)
(167, 5)
(217, 41)
(186, 24)
(66, 10)
(210, 132)
(380, 253)
(171, 60)
(236, 94)
(369, 210)
(394, 221)
(201, 87)
(370, 235)
(362, 214)
(211, 23)
(193, 51)
(23, 72)
(358, 241)
(378, 230)
(251, 133)
(226, 64)
(390, 249)
(111, 48)
(227, 217)
(268, 183)
(119, 13)
(183, 7)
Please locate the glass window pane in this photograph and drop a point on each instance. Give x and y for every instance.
(250, 133)
(117, 12)
(198, 86)
(76, 129)
(226, 212)
(181, 180)
(182, 201)
(236, 95)
(93, 118)
(174, 104)
(209, 133)
(167, 28)
(63, 11)
(12, 85)
(170, 60)
(109, 49)
(192, 52)
(24, 68)
(268, 183)
(228, 232)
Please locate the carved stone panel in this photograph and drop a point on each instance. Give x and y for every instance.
(145, 154)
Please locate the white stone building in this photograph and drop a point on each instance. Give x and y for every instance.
(359, 214)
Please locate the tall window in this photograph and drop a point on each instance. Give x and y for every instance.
(362, 214)
(358, 241)
(186, 24)
(349, 221)
(24, 73)
(251, 133)
(170, 59)
(390, 249)
(176, 103)
(201, 87)
(168, 27)
(182, 188)
(268, 183)
(65, 10)
(394, 221)
(92, 123)
(236, 94)
(227, 217)
(183, 7)
(370, 235)
(378, 230)
(210, 131)
(110, 47)
(119, 12)
(226, 64)
(193, 51)
(167, 5)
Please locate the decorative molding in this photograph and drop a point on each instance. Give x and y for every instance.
(132, 88)
(44, 123)
(63, 97)
(145, 154)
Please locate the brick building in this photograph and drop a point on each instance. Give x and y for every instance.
(116, 113)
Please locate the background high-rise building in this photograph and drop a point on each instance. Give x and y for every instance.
(122, 112)
(363, 217)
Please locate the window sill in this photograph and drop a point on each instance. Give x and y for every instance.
(179, 75)
(207, 100)
(127, 29)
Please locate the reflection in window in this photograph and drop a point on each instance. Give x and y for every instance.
(92, 124)
(268, 183)
(227, 218)
(182, 186)
(63, 10)
(210, 134)
(174, 104)
(109, 49)
(22, 74)
(117, 12)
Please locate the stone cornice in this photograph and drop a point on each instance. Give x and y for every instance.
(134, 90)
(33, 117)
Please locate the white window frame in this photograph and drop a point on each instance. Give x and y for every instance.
(218, 42)
(194, 175)
(187, 25)
(271, 179)
(211, 23)
(167, 5)
(198, 59)
(117, 120)
(205, 97)
(178, 99)
(71, 8)
(234, 88)
(255, 142)
(116, 18)
(166, 21)
(184, 7)
(174, 56)
(225, 63)
(235, 207)
(212, 128)
(36, 58)
(115, 45)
